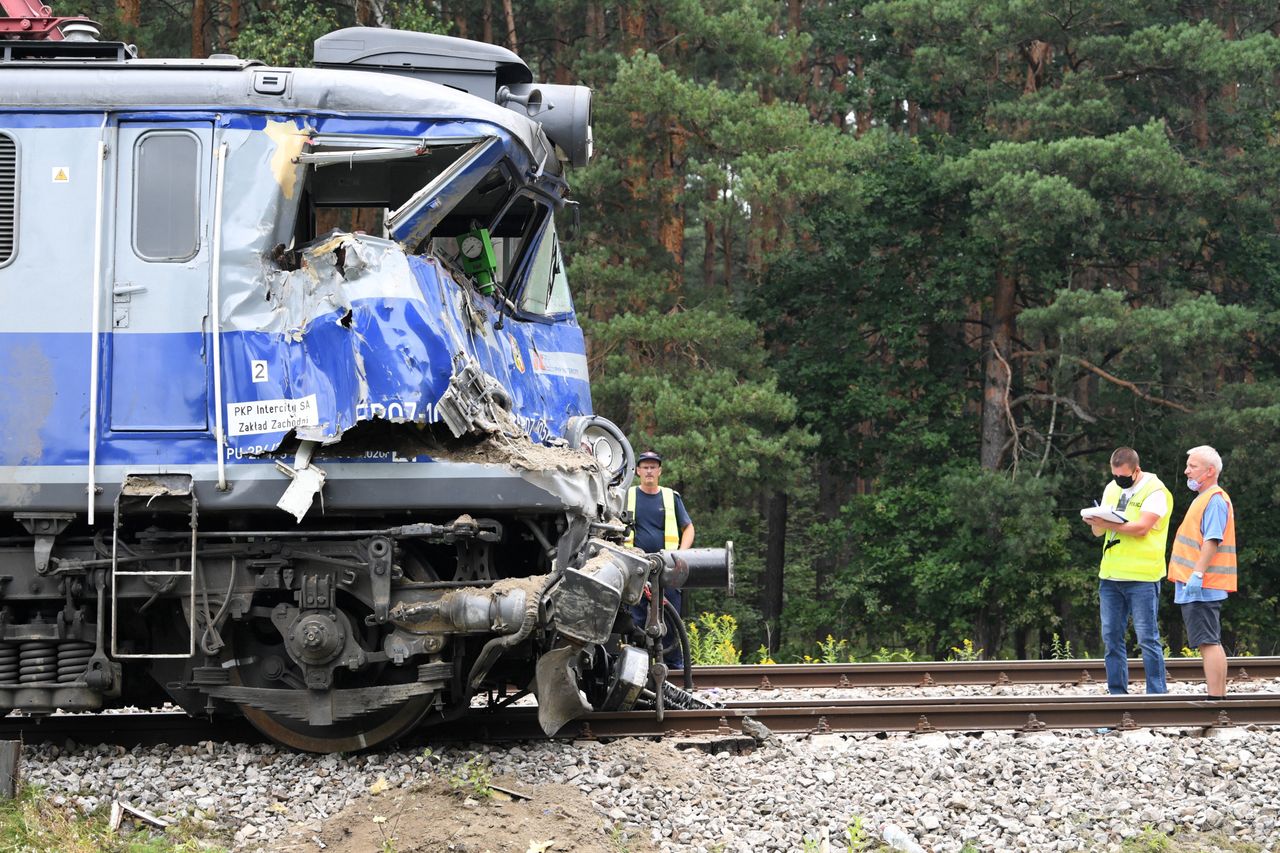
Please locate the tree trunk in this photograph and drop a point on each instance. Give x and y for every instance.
(632, 24)
(1200, 119)
(995, 391)
(129, 11)
(595, 22)
(1020, 637)
(862, 115)
(510, 16)
(233, 19)
(669, 178)
(709, 238)
(486, 18)
(197, 30)
(560, 71)
(774, 562)
(832, 492)
(460, 19)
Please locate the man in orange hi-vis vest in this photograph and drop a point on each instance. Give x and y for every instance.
(1203, 564)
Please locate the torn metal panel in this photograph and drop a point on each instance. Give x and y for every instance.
(474, 401)
(363, 331)
(307, 480)
(418, 217)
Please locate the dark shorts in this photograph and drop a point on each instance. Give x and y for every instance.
(1204, 624)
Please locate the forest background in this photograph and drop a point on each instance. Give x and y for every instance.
(887, 282)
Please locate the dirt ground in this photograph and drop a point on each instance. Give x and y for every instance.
(556, 819)
(433, 818)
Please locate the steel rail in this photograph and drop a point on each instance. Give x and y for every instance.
(1241, 670)
(918, 715)
(143, 728)
(894, 715)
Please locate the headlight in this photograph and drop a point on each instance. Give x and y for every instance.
(602, 439)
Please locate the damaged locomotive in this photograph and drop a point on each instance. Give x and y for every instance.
(295, 420)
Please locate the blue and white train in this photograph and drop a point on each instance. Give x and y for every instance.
(295, 420)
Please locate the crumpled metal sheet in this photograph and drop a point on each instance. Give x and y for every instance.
(362, 330)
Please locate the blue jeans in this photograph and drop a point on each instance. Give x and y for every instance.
(1118, 600)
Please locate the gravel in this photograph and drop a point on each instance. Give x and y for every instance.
(999, 791)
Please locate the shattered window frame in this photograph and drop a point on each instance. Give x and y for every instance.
(558, 290)
(415, 220)
(151, 187)
(9, 163)
(517, 270)
(346, 149)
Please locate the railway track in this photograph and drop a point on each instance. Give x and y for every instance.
(1241, 671)
(919, 715)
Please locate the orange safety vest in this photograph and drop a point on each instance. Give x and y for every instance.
(1221, 572)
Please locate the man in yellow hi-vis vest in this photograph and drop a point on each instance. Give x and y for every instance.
(1132, 568)
(661, 524)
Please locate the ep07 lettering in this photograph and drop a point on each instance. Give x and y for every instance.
(394, 410)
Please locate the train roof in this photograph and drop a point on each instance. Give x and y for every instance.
(230, 83)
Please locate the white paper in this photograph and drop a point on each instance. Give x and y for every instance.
(1105, 513)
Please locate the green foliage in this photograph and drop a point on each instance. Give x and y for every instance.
(1060, 649)
(31, 823)
(832, 650)
(619, 841)
(1150, 841)
(886, 655)
(857, 839)
(763, 657)
(965, 651)
(711, 640)
(286, 36)
(856, 836)
(473, 778)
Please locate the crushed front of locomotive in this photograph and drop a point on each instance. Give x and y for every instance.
(338, 483)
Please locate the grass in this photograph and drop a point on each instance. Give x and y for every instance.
(472, 779)
(1154, 841)
(32, 823)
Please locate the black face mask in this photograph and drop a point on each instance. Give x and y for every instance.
(1124, 482)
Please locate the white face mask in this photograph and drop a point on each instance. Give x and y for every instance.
(1193, 485)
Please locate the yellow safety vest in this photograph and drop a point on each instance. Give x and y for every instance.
(1136, 558)
(1221, 572)
(670, 532)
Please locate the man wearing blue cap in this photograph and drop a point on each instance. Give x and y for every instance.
(661, 524)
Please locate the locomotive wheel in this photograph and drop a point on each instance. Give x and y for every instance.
(261, 649)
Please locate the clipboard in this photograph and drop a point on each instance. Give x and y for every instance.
(1105, 513)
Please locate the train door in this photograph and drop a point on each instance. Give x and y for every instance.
(160, 290)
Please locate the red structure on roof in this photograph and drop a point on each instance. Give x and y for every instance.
(31, 19)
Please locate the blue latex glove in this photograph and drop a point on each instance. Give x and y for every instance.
(1196, 582)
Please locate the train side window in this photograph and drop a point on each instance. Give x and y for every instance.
(546, 290)
(166, 196)
(8, 198)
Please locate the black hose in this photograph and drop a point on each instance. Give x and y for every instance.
(682, 635)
